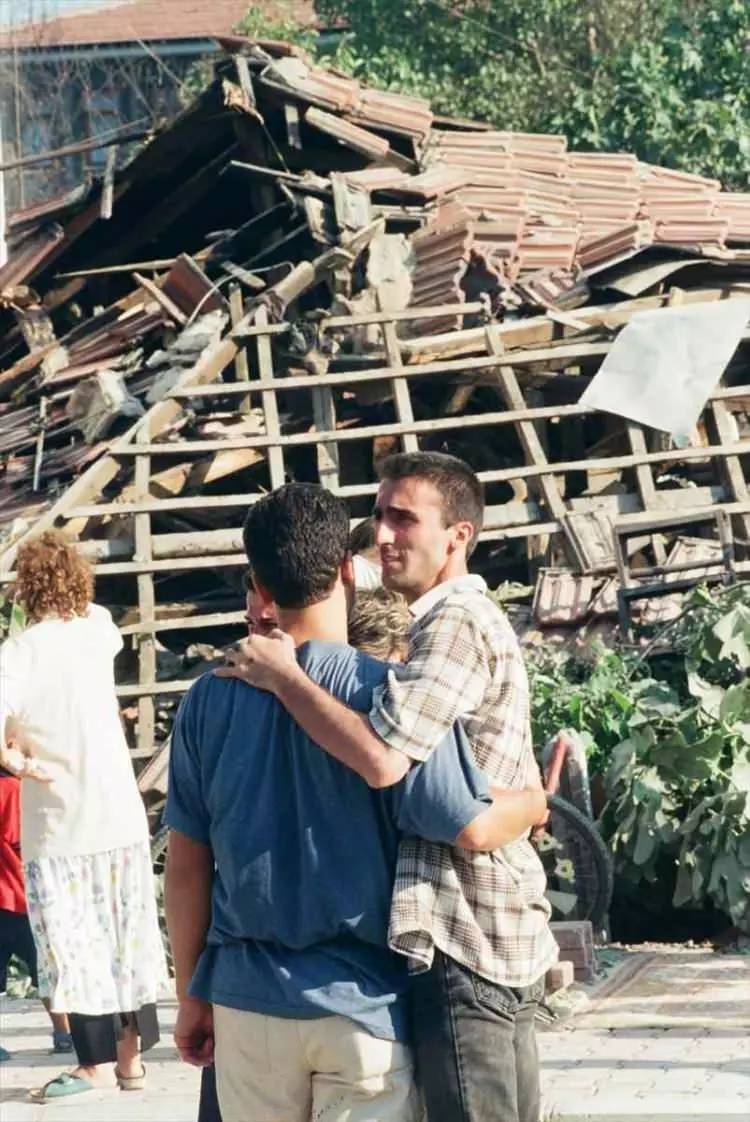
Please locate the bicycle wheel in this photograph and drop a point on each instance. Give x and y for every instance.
(159, 861)
(578, 864)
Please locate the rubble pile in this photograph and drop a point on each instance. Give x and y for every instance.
(300, 275)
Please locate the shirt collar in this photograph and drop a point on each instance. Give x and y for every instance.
(471, 582)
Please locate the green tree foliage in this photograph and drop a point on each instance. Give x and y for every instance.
(257, 24)
(671, 738)
(667, 79)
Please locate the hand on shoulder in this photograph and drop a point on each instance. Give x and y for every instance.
(261, 661)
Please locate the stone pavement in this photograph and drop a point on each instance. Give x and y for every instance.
(666, 1038)
(171, 1094)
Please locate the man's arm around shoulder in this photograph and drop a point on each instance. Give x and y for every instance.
(270, 663)
(448, 799)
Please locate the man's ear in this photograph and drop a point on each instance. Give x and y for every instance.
(347, 571)
(463, 532)
(262, 591)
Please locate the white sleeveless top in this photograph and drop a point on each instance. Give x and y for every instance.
(57, 682)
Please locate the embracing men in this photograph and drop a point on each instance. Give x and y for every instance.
(472, 926)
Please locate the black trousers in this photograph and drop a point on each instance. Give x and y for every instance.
(475, 1046)
(16, 939)
(208, 1108)
(95, 1037)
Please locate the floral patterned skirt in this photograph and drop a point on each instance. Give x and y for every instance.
(95, 925)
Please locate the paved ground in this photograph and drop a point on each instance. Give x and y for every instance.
(172, 1087)
(665, 1039)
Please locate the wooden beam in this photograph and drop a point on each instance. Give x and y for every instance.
(366, 432)
(134, 689)
(672, 455)
(170, 565)
(146, 600)
(161, 299)
(525, 472)
(724, 430)
(269, 403)
(510, 391)
(564, 355)
(324, 419)
(333, 323)
(645, 482)
(538, 330)
(401, 397)
(161, 506)
(184, 623)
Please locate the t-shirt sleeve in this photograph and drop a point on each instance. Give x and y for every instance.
(110, 635)
(445, 678)
(439, 797)
(186, 809)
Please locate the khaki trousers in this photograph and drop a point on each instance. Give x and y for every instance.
(271, 1069)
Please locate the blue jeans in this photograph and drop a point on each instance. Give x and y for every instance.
(475, 1045)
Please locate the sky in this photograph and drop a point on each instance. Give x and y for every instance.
(26, 11)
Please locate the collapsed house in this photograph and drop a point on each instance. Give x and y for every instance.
(301, 275)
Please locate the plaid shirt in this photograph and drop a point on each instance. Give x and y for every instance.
(486, 911)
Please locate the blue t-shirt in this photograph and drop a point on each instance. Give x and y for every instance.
(304, 850)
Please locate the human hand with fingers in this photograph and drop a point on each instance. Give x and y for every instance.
(266, 662)
(194, 1032)
(16, 759)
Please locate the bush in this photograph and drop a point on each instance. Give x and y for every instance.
(671, 738)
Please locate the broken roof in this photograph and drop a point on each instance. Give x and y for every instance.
(289, 283)
(124, 21)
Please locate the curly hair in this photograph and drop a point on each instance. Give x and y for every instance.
(52, 578)
(379, 623)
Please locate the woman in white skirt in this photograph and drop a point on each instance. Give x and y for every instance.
(84, 832)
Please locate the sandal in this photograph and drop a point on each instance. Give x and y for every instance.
(131, 1082)
(61, 1087)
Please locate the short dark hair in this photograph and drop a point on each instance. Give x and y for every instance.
(457, 484)
(296, 540)
(362, 536)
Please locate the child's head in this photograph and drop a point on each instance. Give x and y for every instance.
(379, 624)
(53, 578)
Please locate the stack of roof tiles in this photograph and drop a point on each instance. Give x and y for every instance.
(561, 208)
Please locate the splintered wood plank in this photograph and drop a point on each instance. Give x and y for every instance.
(511, 393)
(241, 366)
(401, 396)
(534, 453)
(187, 623)
(162, 299)
(268, 400)
(643, 473)
(324, 417)
(146, 600)
(724, 431)
(96, 477)
(645, 482)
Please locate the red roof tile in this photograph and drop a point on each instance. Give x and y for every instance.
(130, 20)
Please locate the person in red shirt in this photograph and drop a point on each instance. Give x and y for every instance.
(16, 937)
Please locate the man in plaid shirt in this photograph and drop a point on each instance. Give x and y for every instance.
(473, 926)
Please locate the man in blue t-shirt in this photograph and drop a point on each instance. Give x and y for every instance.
(281, 860)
